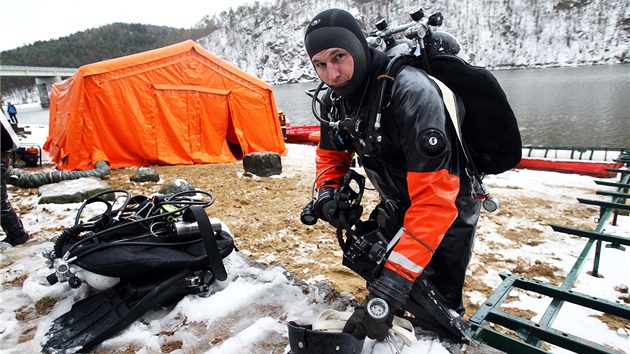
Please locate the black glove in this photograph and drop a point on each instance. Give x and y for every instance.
(329, 207)
(373, 318)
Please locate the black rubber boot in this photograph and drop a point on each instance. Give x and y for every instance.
(11, 223)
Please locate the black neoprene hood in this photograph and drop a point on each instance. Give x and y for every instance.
(335, 28)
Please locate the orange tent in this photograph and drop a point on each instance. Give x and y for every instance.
(170, 106)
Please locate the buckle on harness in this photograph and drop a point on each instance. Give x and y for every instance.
(193, 282)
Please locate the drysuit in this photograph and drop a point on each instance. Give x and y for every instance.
(419, 173)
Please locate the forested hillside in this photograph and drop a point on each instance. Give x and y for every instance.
(93, 45)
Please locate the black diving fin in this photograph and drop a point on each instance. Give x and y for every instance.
(98, 317)
(427, 305)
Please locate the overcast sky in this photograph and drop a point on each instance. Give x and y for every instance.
(27, 21)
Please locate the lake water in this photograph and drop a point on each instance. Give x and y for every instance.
(572, 106)
(576, 106)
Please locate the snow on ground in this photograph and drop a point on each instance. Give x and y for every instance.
(253, 306)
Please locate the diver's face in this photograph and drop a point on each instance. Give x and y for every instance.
(334, 66)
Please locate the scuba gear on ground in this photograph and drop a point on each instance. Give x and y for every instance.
(140, 230)
(100, 316)
(157, 249)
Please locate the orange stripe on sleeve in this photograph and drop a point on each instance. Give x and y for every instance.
(431, 213)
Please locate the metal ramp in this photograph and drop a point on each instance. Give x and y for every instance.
(528, 335)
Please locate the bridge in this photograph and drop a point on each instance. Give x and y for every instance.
(44, 77)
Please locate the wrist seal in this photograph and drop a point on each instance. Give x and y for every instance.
(392, 287)
(323, 203)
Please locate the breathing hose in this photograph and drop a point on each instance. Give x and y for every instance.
(37, 179)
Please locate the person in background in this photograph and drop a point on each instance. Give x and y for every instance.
(426, 206)
(12, 115)
(11, 223)
(283, 123)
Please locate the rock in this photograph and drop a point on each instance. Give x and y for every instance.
(263, 164)
(145, 174)
(72, 191)
(176, 186)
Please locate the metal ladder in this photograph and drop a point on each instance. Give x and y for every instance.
(530, 335)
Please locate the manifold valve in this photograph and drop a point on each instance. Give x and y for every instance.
(63, 273)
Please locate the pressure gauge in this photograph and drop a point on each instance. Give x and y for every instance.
(491, 204)
(378, 309)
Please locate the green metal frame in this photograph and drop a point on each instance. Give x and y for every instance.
(530, 335)
(576, 152)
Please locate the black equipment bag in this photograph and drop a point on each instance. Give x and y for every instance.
(117, 254)
(131, 261)
(170, 231)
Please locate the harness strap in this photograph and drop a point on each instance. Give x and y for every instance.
(448, 96)
(331, 321)
(449, 101)
(209, 242)
(404, 329)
